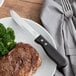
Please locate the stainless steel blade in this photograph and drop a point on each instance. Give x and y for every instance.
(23, 24)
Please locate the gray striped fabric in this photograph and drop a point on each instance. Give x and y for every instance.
(57, 24)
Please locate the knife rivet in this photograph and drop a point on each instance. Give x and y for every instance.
(42, 40)
(45, 44)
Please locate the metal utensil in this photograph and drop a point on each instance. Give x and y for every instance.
(74, 8)
(68, 12)
(48, 48)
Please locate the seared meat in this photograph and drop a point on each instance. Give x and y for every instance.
(23, 60)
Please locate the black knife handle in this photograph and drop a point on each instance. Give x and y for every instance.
(51, 51)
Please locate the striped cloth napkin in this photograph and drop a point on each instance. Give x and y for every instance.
(56, 23)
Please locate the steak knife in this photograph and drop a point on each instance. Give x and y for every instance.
(38, 38)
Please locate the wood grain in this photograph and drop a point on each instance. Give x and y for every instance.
(26, 8)
(34, 1)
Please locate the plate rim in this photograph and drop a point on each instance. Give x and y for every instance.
(38, 26)
(42, 29)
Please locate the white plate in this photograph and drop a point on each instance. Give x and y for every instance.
(47, 67)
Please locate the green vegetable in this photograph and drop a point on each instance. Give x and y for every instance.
(7, 39)
(2, 30)
(10, 32)
(10, 45)
(3, 49)
(0, 39)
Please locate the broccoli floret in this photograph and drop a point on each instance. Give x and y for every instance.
(1, 46)
(0, 39)
(10, 31)
(8, 42)
(6, 38)
(3, 50)
(2, 30)
(9, 36)
(10, 45)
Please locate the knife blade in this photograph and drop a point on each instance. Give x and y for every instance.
(38, 38)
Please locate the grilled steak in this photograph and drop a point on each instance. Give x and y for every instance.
(23, 60)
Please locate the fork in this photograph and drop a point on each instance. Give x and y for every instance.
(68, 12)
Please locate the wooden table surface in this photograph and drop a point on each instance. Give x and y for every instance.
(26, 8)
